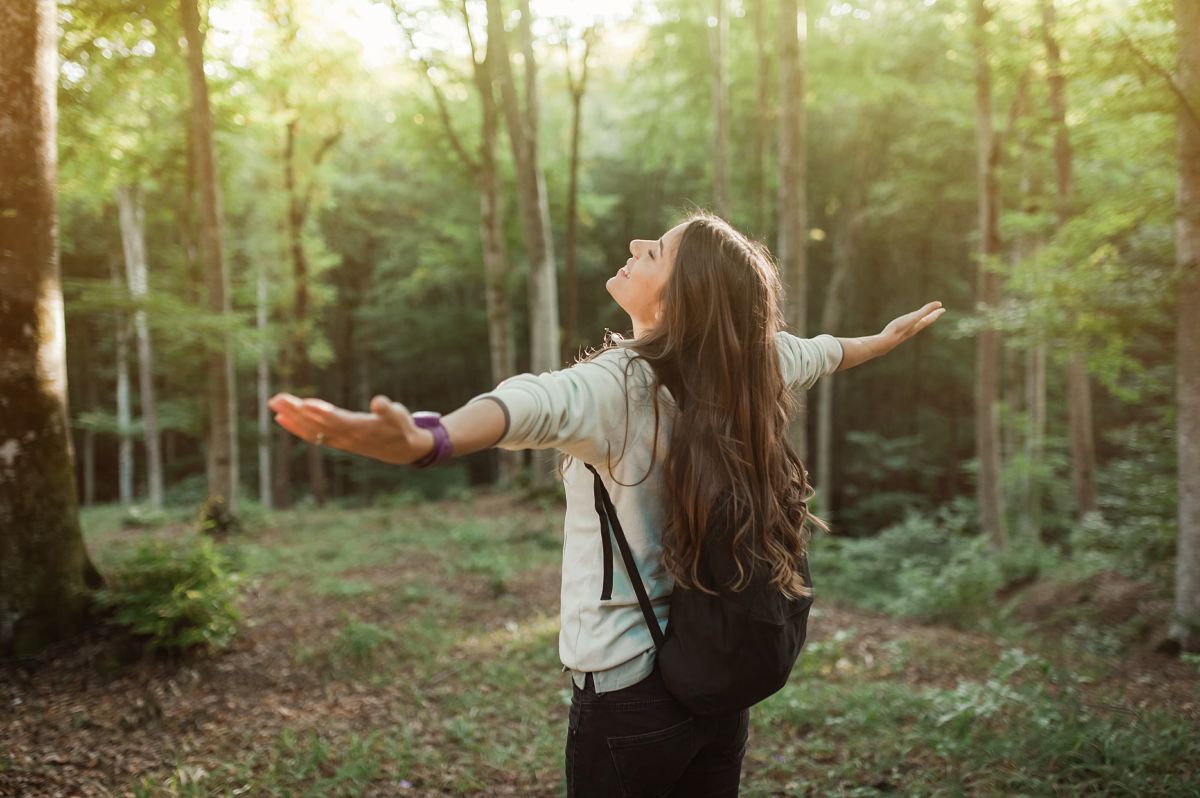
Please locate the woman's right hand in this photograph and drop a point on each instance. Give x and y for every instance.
(388, 433)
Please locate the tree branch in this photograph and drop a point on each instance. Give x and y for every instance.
(1163, 73)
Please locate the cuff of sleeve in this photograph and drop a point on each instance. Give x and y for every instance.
(834, 352)
(504, 408)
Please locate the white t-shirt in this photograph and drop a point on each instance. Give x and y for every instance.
(584, 411)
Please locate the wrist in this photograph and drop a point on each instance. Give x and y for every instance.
(441, 448)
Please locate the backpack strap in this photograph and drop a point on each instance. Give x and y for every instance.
(607, 512)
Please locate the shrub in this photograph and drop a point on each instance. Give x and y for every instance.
(177, 596)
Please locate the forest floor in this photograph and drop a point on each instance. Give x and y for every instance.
(412, 650)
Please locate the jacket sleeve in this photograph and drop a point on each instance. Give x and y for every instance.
(573, 409)
(805, 360)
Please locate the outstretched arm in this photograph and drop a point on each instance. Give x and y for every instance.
(388, 432)
(859, 350)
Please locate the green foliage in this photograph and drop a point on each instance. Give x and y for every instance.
(176, 596)
(927, 568)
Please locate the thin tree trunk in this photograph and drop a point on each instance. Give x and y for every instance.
(987, 350)
(124, 408)
(1185, 618)
(45, 572)
(222, 441)
(91, 401)
(720, 95)
(495, 253)
(133, 238)
(531, 195)
(1035, 387)
(793, 209)
(1079, 392)
(762, 117)
(302, 376)
(262, 322)
(577, 87)
(844, 243)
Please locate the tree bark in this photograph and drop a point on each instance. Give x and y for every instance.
(301, 372)
(720, 95)
(762, 117)
(90, 394)
(522, 122)
(987, 350)
(844, 243)
(222, 440)
(793, 208)
(133, 239)
(1079, 392)
(576, 87)
(124, 410)
(262, 322)
(1185, 619)
(45, 572)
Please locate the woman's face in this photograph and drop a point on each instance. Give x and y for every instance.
(637, 286)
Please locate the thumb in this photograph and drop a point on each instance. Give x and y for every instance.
(390, 411)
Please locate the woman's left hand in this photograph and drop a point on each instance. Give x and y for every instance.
(387, 433)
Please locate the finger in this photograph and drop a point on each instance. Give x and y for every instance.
(390, 411)
(298, 427)
(283, 401)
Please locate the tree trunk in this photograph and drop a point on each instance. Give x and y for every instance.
(45, 572)
(987, 350)
(531, 195)
(762, 118)
(133, 239)
(90, 394)
(1079, 393)
(577, 88)
(793, 209)
(262, 321)
(1185, 619)
(124, 410)
(720, 95)
(502, 353)
(1035, 387)
(844, 242)
(302, 378)
(222, 441)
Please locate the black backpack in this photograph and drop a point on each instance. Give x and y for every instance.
(719, 654)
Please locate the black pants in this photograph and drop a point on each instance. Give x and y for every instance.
(639, 742)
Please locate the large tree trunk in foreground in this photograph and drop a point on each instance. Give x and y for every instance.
(987, 349)
(793, 207)
(1185, 620)
(45, 572)
(222, 442)
(133, 238)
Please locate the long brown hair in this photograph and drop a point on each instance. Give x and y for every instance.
(714, 348)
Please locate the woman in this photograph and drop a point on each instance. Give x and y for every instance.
(694, 406)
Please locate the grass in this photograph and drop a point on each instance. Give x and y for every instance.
(429, 644)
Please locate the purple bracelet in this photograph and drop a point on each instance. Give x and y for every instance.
(442, 450)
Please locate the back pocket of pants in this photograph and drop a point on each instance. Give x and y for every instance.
(648, 764)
